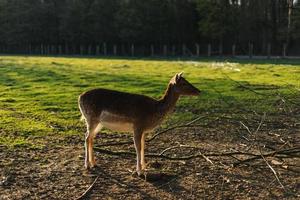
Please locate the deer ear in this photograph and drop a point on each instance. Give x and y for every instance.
(178, 76)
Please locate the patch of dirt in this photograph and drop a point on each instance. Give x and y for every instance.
(57, 172)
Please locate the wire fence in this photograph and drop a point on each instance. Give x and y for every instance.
(249, 50)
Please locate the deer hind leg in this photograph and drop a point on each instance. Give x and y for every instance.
(86, 145)
(137, 145)
(89, 139)
(91, 144)
(143, 163)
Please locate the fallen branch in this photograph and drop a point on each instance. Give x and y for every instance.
(246, 127)
(272, 169)
(185, 146)
(291, 151)
(88, 190)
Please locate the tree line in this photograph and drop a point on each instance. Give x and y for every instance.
(152, 22)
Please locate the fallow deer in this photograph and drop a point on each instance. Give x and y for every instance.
(126, 112)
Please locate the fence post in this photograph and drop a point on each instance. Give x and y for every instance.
(122, 51)
(269, 51)
(97, 50)
(59, 50)
(284, 50)
(47, 49)
(53, 49)
(74, 49)
(115, 49)
(37, 50)
(173, 50)
(81, 49)
(90, 50)
(29, 49)
(250, 50)
(233, 50)
(197, 50)
(165, 50)
(209, 50)
(132, 50)
(183, 49)
(152, 50)
(66, 49)
(104, 49)
(220, 49)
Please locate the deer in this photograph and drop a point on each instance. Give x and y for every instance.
(127, 112)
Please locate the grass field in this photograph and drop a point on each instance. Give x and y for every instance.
(39, 94)
(38, 101)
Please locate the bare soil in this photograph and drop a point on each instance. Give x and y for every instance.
(57, 172)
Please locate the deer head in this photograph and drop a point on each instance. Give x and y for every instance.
(182, 86)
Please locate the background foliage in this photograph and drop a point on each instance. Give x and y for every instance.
(156, 22)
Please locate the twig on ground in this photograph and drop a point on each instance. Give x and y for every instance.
(260, 123)
(186, 146)
(88, 190)
(272, 169)
(292, 151)
(206, 158)
(246, 127)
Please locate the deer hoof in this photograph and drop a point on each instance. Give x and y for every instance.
(92, 164)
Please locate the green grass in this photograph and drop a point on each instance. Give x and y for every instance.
(39, 94)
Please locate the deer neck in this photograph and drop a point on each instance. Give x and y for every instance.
(168, 101)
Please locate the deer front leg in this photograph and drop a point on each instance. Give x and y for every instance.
(137, 144)
(91, 152)
(89, 139)
(91, 144)
(86, 145)
(143, 163)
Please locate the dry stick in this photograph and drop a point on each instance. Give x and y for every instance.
(246, 127)
(178, 146)
(186, 146)
(88, 190)
(256, 156)
(206, 158)
(260, 123)
(269, 154)
(169, 157)
(273, 170)
(291, 151)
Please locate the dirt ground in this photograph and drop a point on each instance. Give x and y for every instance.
(57, 172)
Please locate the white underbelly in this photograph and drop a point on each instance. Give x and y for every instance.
(115, 122)
(121, 127)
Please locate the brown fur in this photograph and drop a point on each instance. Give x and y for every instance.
(121, 111)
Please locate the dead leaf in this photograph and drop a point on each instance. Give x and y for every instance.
(275, 162)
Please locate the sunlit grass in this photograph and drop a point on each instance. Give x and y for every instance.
(39, 94)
